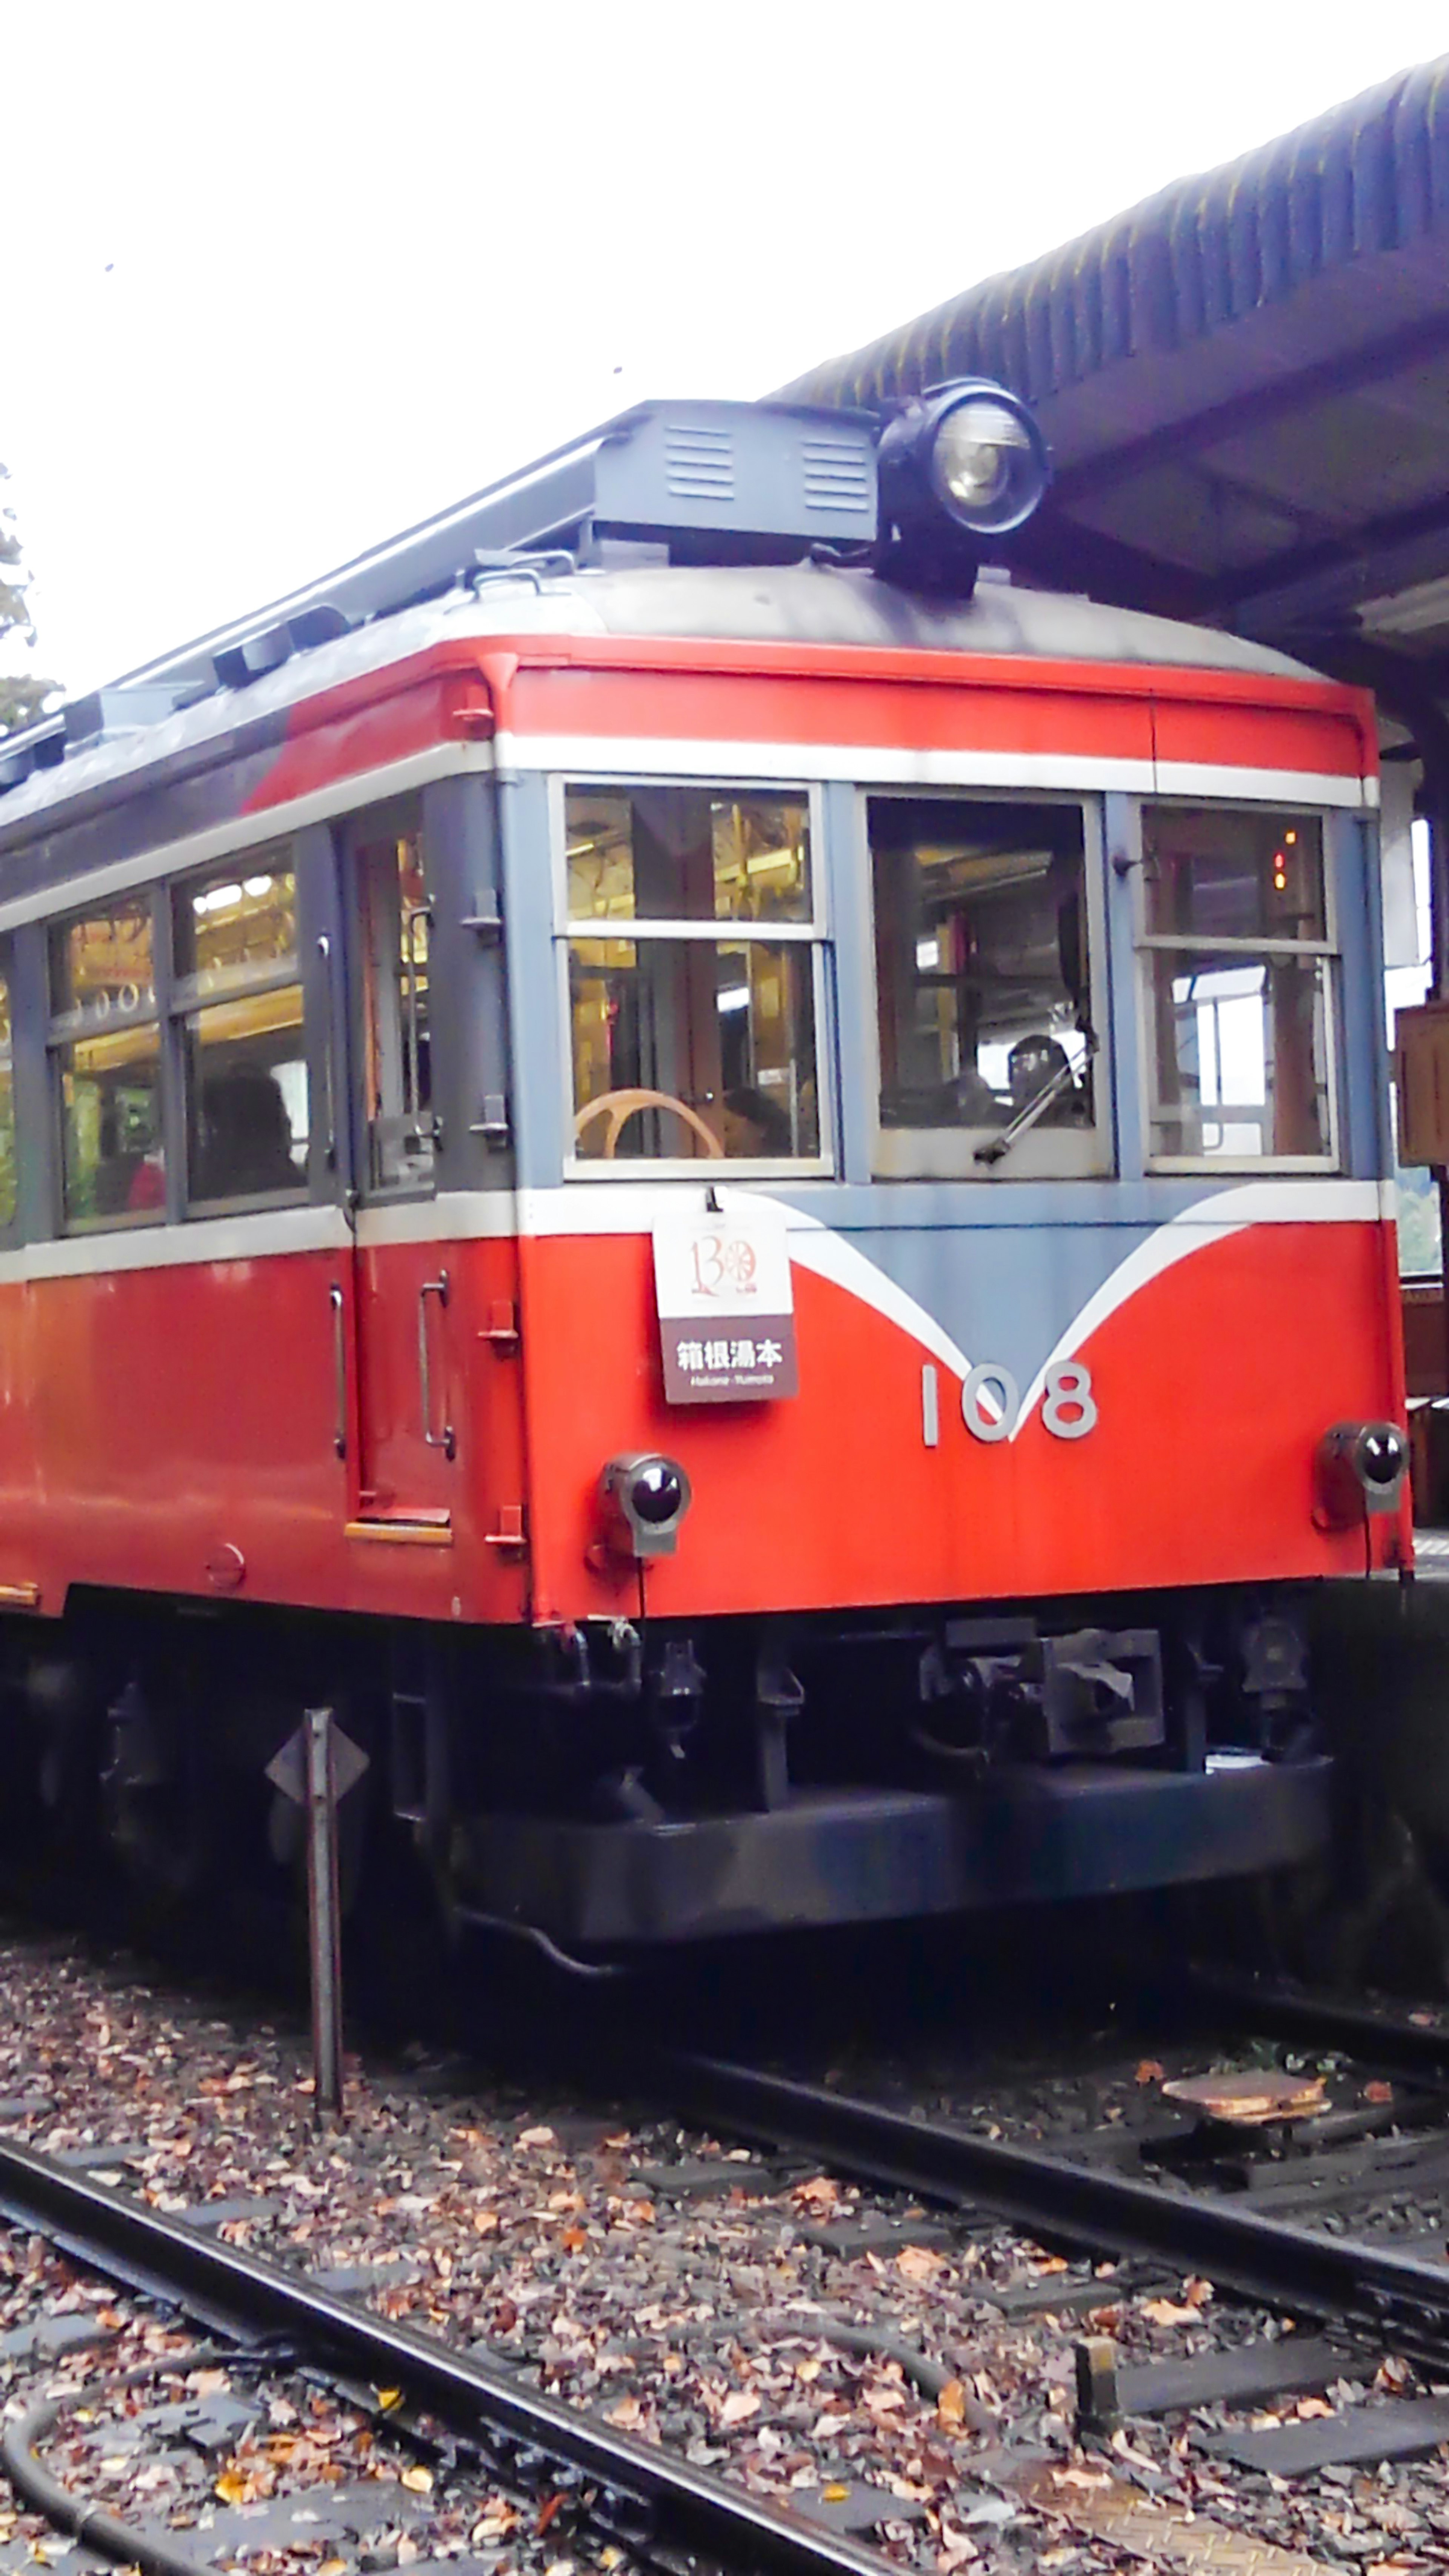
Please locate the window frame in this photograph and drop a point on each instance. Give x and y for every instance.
(947, 1155)
(10, 1226)
(363, 827)
(181, 1002)
(1148, 944)
(814, 933)
(68, 1029)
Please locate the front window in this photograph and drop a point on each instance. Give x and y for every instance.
(1239, 985)
(693, 952)
(984, 987)
(106, 1047)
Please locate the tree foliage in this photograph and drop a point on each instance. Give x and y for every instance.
(21, 695)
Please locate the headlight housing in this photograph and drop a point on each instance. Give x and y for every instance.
(969, 454)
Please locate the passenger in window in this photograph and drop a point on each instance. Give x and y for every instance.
(1035, 1063)
(752, 1123)
(248, 1147)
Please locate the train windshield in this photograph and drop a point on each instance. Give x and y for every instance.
(983, 979)
(692, 959)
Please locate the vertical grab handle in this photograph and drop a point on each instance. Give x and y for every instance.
(339, 1367)
(329, 1040)
(444, 1439)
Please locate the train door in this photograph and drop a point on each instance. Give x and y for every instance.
(403, 1305)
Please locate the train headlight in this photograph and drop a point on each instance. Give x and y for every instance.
(970, 450)
(987, 463)
(1360, 1467)
(645, 1497)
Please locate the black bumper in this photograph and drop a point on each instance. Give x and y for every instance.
(883, 1855)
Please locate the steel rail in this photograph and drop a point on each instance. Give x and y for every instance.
(648, 2494)
(1394, 2297)
(1327, 2021)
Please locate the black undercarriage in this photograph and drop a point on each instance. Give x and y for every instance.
(618, 1784)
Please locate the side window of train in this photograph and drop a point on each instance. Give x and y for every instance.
(8, 1177)
(237, 995)
(105, 1047)
(395, 916)
(695, 951)
(1237, 965)
(986, 950)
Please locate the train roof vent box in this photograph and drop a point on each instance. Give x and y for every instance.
(724, 480)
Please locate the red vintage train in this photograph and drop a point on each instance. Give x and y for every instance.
(726, 1176)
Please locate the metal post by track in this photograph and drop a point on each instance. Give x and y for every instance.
(315, 1769)
(324, 1918)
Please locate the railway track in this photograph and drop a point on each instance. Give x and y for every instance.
(1280, 2231)
(630, 2494)
(1285, 2223)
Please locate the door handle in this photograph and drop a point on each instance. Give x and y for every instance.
(339, 1367)
(444, 1439)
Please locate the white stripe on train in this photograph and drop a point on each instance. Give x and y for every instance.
(588, 1208)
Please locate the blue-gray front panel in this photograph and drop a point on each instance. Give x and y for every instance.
(1002, 1272)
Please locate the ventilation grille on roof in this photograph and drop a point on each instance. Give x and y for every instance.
(839, 474)
(701, 463)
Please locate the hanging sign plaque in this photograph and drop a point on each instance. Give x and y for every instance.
(726, 1304)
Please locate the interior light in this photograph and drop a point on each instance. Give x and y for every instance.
(216, 898)
(256, 887)
(735, 997)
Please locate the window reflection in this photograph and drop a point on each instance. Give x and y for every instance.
(246, 1089)
(107, 1050)
(711, 1045)
(1239, 981)
(697, 1049)
(247, 1119)
(1234, 873)
(233, 927)
(396, 923)
(1241, 1055)
(686, 854)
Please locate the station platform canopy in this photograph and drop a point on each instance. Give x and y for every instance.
(1245, 384)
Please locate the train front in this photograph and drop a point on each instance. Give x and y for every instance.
(959, 1311)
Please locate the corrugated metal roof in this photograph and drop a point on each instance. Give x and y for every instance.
(1365, 179)
(1245, 383)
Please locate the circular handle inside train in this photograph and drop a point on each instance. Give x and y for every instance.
(620, 1106)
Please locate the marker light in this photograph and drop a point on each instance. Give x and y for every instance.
(969, 450)
(645, 1497)
(1360, 1467)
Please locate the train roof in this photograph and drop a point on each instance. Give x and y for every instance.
(114, 737)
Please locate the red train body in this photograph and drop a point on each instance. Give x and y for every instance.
(999, 974)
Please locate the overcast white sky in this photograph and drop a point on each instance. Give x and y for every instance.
(283, 278)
